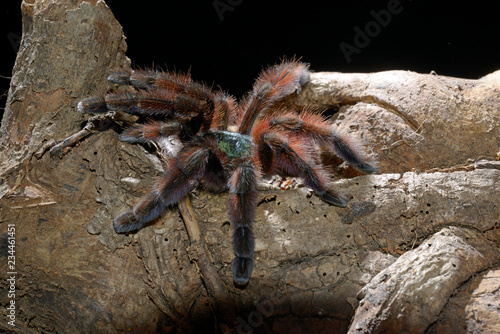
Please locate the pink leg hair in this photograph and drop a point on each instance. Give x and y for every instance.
(178, 181)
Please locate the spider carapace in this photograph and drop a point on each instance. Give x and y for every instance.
(226, 145)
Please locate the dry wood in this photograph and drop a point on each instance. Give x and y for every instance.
(435, 138)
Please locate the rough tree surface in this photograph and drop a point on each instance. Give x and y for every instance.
(416, 250)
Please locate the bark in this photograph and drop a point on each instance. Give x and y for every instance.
(413, 121)
(409, 295)
(435, 139)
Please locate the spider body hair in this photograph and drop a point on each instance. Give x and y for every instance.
(272, 85)
(316, 127)
(227, 146)
(150, 132)
(243, 197)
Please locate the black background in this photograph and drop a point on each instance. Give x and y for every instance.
(229, 46)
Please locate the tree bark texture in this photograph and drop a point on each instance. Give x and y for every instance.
(416, 249)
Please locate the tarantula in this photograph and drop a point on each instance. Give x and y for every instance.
(226, 145)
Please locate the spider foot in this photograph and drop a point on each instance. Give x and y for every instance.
(242, 270)
(126, 222)
(92, 105)
(333, 198)
(369, 169)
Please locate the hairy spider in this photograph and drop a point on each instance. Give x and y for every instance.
(264, 140)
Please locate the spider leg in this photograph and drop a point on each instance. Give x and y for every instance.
(315, 126)
(159, 90)
(215, 177)
(225, 106)
(181, 177)
(93, 105)
(272, 85)
(243, 195)
(218, 105)
(163, 95)
(294, 159)
(349, 154)
(215, 106)
(153, 131)
(155, 103)
(145, 79)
